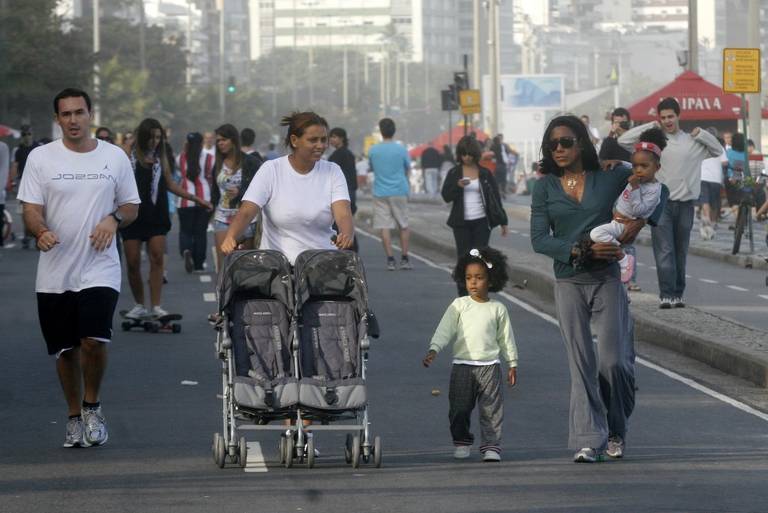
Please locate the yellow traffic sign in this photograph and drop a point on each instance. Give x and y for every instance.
(741, 70)
(469, 100)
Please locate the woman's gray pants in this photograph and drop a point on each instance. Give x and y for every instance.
(602, 373)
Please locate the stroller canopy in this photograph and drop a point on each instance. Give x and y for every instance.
(331, 274)
(255, 273)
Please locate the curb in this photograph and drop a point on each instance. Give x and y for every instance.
(747, 363)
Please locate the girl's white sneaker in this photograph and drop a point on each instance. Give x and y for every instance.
(462, 452)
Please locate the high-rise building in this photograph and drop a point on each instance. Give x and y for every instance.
(668, 15)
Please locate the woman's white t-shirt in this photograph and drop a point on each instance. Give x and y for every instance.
(77, 191)
(297, 208)
(473, 201)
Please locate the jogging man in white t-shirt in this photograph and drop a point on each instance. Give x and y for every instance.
(76, 191)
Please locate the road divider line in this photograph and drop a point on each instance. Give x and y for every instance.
(255, 461)
(740, 289)
(209, 297)
(642, 361)
(713, 282)
(205, 278)
(763, 296)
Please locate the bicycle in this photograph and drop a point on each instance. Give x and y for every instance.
(749, 189)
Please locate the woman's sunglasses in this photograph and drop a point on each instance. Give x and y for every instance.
(565, 142)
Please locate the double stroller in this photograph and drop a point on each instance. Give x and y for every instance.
(293, 346)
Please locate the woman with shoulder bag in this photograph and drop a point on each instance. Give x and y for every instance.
(476, 204)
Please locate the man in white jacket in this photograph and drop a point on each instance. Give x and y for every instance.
(681, 173)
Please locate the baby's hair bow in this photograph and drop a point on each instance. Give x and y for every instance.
(476, 253)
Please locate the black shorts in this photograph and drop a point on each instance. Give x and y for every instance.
(710, 194)
(67, 318)
(144, 232)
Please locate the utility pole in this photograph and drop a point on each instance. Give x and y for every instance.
(96, 70)
(755, 103)
(493, 64)
(693, 36)
(188, 77)
(345, 89)
(142, 37)
(222, 94)
(476, 44)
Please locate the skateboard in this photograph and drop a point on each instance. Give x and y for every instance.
(164, 323)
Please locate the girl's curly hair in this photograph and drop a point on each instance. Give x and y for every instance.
(655, 136)
(497, 272)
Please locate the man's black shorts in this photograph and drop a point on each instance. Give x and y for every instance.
(67, 318)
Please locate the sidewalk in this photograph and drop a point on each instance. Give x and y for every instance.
(721, 343)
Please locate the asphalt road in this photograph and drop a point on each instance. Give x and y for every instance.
(687, 451)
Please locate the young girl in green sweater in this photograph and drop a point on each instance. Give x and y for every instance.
(480, 330)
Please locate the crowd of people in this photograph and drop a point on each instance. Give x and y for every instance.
(586, 210)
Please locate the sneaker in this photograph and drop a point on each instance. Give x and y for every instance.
(165, 277)
(615, 447)
(627, 269)
(491, 456)
(405, 264)
(137, 312)
(157, 311)
(95, 427)
(189, 264)
(587, 455)
(678, 302)
(665, 303)
(74, 436)
(462, 452)
(391, 264)
(634, 287)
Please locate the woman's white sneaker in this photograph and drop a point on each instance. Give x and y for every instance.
(587, 455)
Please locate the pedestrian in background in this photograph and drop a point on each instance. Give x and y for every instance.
(78, 274)
(20, 155)
(196, 177)
(105, 134)
(391, 165)
(153, 167)
(430, 168)
(602, 373)
(476, 206)
(481, 333)
(234, 171)
(611, 152)
(447, 163)
(681, 173)
(713, 170)
(5, 163)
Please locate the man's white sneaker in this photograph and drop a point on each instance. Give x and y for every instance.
(491, 456)
(587, 455)
(462, 452)
(615, 447)
(137, 312)
(74, 436)
(94, 426)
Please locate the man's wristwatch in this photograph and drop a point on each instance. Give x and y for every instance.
(116, 215)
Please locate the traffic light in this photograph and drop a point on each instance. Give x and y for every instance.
(231, 86)
(460, 80)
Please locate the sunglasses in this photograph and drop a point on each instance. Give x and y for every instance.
(565, 142)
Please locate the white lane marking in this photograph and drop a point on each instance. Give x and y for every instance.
(671, 374)
(652, 267)
(740, 289)
(524, 234)
(640, 264)
(205, 278)
(763, 296)
(255, 460)
(209, 297)
(688, 276)
(514, 231)
(714, 282)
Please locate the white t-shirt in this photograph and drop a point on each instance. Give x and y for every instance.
(297, 208)
(78, 190)
(712, 168)
(473, 201)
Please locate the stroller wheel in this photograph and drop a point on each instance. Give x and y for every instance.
(289, 447)
(310, 452)
(243, 456)
(348, 449)
(356, 451)
(219, 451)
(377, 451)
(281, 448)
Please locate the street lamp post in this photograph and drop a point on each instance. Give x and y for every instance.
(96, 70)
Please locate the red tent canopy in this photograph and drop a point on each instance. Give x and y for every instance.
(699, 100)
(441, 140)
